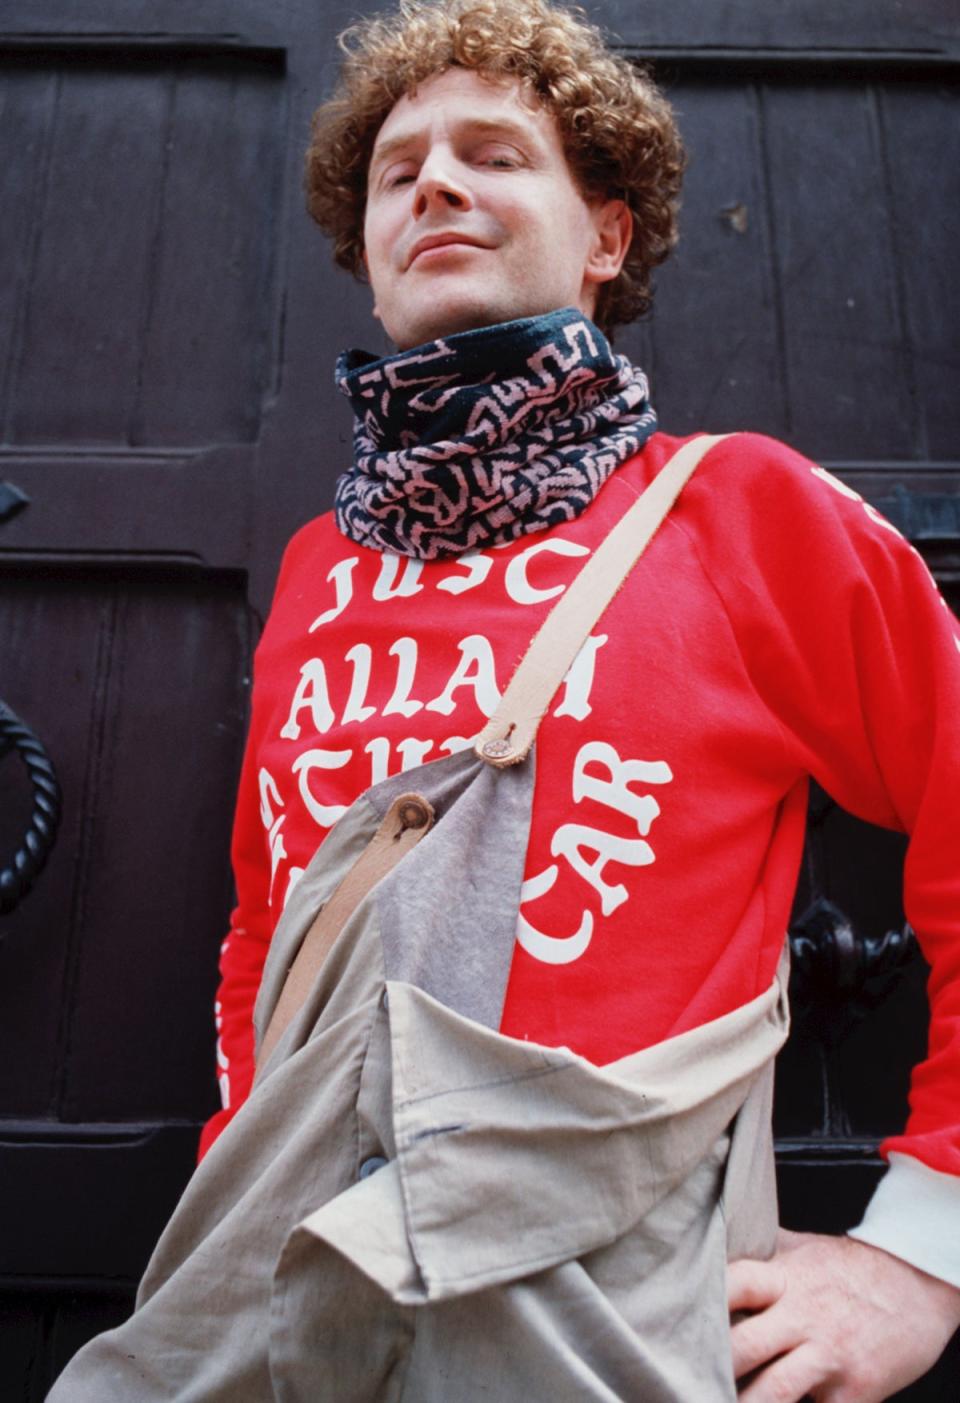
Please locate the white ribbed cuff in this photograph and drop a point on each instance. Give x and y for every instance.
(915, 1215)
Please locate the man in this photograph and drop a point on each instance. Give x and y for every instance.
(490, 166)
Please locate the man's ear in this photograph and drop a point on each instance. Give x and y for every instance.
(613, 224)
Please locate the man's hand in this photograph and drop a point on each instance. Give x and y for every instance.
(836, 1320)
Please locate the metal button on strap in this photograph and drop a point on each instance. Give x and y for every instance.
(413, 812)
(497, 749)
(371, 1165)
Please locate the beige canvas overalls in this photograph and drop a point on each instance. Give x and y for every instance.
(412, 1206)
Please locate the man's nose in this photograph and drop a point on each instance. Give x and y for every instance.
(441, 184)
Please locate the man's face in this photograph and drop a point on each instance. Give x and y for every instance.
(473, 216)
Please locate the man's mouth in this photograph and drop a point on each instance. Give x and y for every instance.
(438, 241)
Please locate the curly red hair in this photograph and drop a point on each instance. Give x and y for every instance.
(617, 128)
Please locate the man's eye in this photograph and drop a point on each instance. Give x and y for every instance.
(397, 175)
(500, 160)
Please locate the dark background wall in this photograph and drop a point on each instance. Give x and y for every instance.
(168, 322)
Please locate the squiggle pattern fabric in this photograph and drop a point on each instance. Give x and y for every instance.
(486, 435)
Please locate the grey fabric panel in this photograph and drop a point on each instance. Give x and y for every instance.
(448, 912)
(749, 1199)
(440, 781)
(327, 868)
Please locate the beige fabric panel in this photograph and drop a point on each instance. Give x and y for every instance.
(536, 1214)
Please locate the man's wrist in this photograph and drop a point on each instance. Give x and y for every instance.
(915, 1215)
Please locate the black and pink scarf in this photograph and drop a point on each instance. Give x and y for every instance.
(481, 437)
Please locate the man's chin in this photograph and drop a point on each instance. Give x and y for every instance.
(447, 318)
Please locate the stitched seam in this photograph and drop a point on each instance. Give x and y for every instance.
(511, 1080)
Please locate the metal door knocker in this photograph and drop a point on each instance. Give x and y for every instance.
(18, 874)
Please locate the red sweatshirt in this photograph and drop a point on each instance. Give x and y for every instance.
(776, 628)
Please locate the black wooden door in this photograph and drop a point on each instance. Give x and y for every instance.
(168, 321)
(815, 295)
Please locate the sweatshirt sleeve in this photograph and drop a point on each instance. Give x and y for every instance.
(914, 1214)
(848, 640)
(244, 950)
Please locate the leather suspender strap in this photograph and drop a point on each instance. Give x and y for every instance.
(508, 735)
(404, 824)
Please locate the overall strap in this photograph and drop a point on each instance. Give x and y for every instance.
(508, 735)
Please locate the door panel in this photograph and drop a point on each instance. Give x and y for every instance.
(920, 125)
(800, 301)
(149, 166)
(121, 172)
